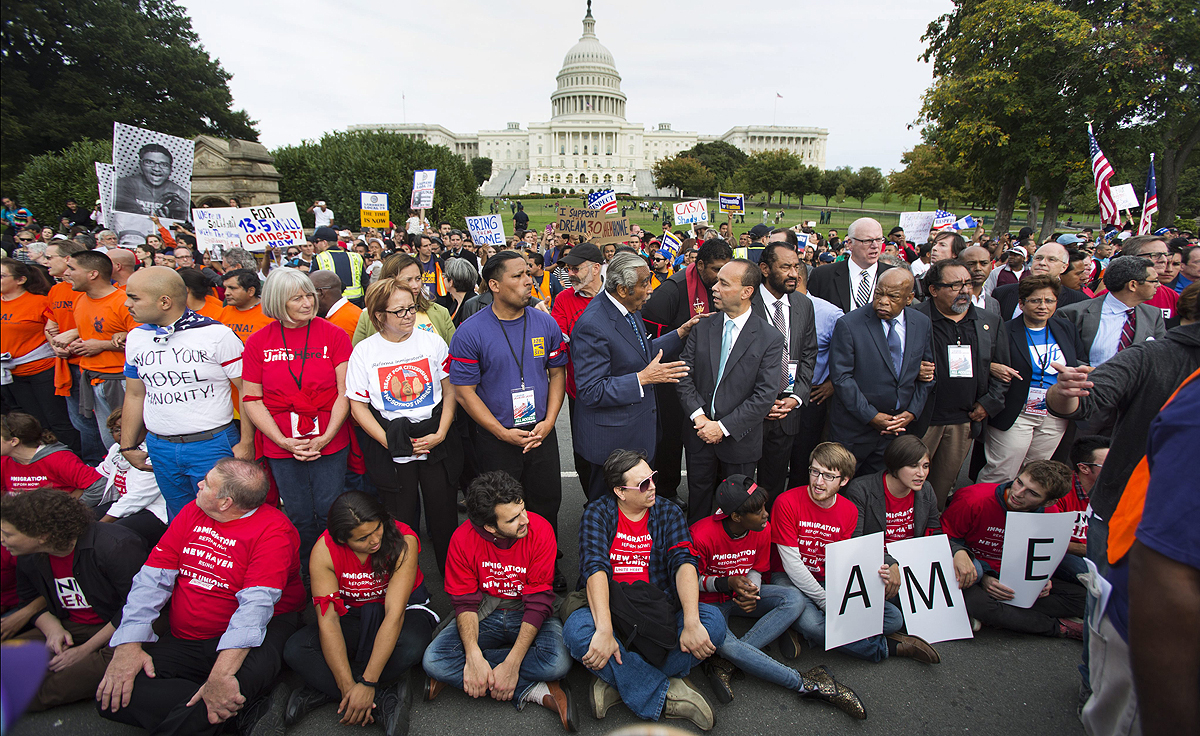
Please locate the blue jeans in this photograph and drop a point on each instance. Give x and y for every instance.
(104, 409)
(642, 686)
(812, 625)
(1070, 566)
(89, 434)
(308, 488)
(546, 661)
(180, 466)
(778, 608)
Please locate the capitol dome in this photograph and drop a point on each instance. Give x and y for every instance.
(588, 83)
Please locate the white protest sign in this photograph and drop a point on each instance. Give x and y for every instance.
(1034, 544)
(941, 223)
(105, 173)
(1124, 197)
(802, 240)
(916, 226)
(422, 191)
(694, 211)
(272, 225)
(487, 229)
(854, 590)
(217, 229)
(929, 596)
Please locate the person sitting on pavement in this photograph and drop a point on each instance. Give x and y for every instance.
(1088, 454)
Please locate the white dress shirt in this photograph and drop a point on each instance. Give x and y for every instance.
(738, 323)
(856, 276)
(901, 329)
(769, 301)
(1108, 336)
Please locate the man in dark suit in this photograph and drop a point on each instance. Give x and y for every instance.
(686, 294)
(616, 367)
(874, 360)
(734, 360)
(849, 284)
(1051, 259)
(1108, 324)
(791, 312)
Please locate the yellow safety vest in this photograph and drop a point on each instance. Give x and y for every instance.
(349, 271)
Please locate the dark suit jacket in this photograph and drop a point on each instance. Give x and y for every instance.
(832, 283)
(748, 389)
(864, 382)
(1008, 298)
(611, 411)
(867, 494)
(1086, 318)
(1014, 352)
(803, 349)
(988, 391)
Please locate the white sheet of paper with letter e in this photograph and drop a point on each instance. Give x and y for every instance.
(929, 596)
(1034, 544)
(853, 590)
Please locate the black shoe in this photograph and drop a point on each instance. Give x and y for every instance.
(720, 676)
(264, 717)
(301, 703)
(819, 684)
(394, 704)
(560, 581)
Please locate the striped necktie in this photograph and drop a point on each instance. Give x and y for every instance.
(1128, 330)
(781, 325)
(862, 294)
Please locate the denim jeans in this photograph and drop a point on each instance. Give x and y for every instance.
(778, 608)
(812, 625)
(642, 686)
(94, 449)
(308, 488)
(107, 400)
(180, 466)
(546, 661)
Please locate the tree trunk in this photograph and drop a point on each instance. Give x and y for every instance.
(1034, 201)
(1050, 215)
(1168, 166)
(1006, 202)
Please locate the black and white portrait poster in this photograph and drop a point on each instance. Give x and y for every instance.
(153, 173)
(105, 173)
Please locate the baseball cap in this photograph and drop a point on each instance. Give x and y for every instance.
(759, 231)
(826, 258)
(733, 492)
(1068, 239)
(665, 254)
(325, 233)
(583, 252)
(1018, 249)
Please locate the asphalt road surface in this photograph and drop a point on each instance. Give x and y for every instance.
(999, 683)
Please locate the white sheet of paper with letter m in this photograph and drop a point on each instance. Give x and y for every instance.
(853, 590)
(1034, 544)
(929, 595)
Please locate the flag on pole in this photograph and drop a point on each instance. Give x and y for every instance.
(1151, 205)
(606, 200)
(778, 96)
(1102, 171)
(966, 223)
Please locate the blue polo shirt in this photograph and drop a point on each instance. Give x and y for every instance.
(484, 353)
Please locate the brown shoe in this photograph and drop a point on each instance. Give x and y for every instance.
(604, 696)
(560, 700)
(432, 688)
(688, 704)
(720, 676)
(915, 647)
(819, 684)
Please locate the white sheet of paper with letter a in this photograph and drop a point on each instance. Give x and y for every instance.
(853, 590)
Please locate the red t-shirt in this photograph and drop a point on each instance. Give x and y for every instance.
(216, 559)
(978, 517)
(69, 593)
(568, 305)
(525, 568)
(899, 513)
(722, 556)
(629, 553)
(62, 469)
(278, 360)
(801, 523)
(357, 583)
(1165, 298)
(1076, 502)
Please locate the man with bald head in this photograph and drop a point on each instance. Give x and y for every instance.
(124, 265)
(331, 305)
(874, 359)
(179, 366)
(1051, 259)
(849, 284)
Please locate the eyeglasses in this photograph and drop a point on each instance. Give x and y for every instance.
(954, 285)
(402, 311)
(1093, 465)
(644, 486)
(324, 288)
(293, 253)
(1149, 281)
(25, 240)
(156, 165)
(827, 477)
(867, 241)
(1160, 256)
(1040, 302)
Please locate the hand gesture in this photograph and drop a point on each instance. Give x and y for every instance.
(603, 646)
(659, 372)
(1073, 381)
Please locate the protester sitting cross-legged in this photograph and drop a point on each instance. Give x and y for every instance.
(503, 639)
(373, 623)
(643, 588)
(734, 549)
(81, 570)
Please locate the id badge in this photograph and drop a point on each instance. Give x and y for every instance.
(524, 407)
(1035, 403)
(297, 434)
(960, 361)
(791, 389)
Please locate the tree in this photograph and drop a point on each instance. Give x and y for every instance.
(926, 173)
(831, 181)
(764, 171)
(73, 67)
(866, 181)
(800, 182)
(342, 164)
(719, 157)
(50, 179)
(481, 167)
(685, 174)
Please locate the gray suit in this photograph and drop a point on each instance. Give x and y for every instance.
(1086, 318)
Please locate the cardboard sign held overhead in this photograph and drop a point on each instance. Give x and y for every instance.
(1125, 198)
(217, 229)
(593, 226)
(487, 229)
(929, 596)
(422, 191)
(373, 209)
(1034, 544)
(854, 590)
(917, 226)
(731, 204)
(692, 212)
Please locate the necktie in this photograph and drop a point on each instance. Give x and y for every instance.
(634, 324)
(863, 293)
(1127, 330)
(726, 346)
(894, 346)
(781, 325)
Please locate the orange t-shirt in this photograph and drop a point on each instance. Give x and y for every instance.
(61, 308)
(346, 317)
(212, 308)
(100, 319)
(24, 322)
(244, 323)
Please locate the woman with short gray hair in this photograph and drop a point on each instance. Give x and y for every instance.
(294, 386)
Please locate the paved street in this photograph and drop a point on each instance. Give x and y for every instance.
(999, 683)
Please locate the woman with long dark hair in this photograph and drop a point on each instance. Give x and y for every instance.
(373, 622)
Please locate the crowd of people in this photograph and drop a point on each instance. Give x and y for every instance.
(215, 464)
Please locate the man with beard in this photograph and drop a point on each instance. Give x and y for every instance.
(151, 191)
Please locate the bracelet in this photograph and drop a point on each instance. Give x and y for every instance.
(363, 681)
(127, 449)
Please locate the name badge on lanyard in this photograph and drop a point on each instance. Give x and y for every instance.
(1035, 402)
(959, 361)
(524, 407)
(791, 377)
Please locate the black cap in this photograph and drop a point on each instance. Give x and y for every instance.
(760, 231)
(327, 234)
(733, 492)
(583, 252)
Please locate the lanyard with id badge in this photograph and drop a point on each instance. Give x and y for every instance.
(958, 359)
(523, 403)
(1035, 401)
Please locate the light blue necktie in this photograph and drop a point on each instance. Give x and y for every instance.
(726, 346)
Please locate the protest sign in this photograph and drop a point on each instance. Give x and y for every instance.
(487, 229)
(803, 240)
(942, 223)
(104, 179)
(854, 590)
(1034, 544)
(691, 212)
(273, 225)
(422, 191)
(929, 596)
(731, 204)
(373, 209)
(1124, 197)
(153, 173)
(217, 230)
(593, 226)
(671, 242)
(917, 226)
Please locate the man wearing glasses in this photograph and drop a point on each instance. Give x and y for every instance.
(1154, 249)
(661, 267)
(1122, 317)
(151, 191)
(1051, 259)
(849, 284)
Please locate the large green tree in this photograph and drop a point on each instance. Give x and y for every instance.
(766, 171)
(832, 180)
(719, 157)
(73, 67)
(866, 181)
(341, 165)
(481, 167)
(50, 179)
(685, 174)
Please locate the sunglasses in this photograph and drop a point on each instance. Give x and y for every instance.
(644, 486)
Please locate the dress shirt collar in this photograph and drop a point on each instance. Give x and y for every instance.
(620, 307)
(769, 300)
(336, 306)
(1113, 305)
(739, 322)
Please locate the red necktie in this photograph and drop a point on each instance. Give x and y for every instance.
(1127, 330)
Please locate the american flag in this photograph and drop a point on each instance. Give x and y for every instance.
(1102, 171)
(606, 200)
(1151, 205)
(943, 220)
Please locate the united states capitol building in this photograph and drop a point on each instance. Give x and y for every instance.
(588, 143)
